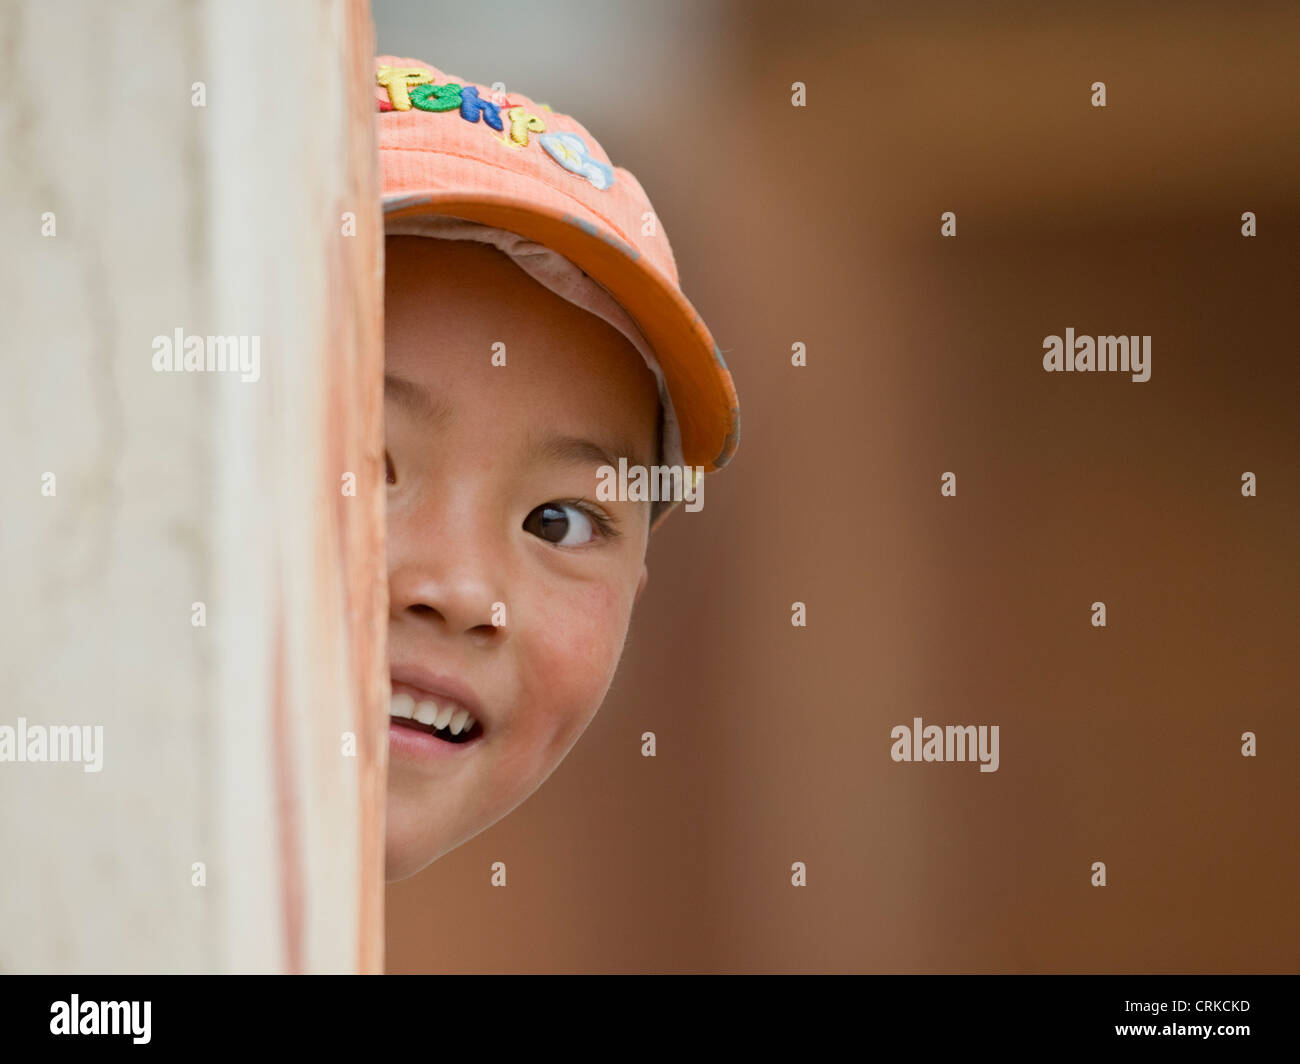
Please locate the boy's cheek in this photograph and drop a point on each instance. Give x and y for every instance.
(570, 660)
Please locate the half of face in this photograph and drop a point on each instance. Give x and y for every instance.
(511, 579)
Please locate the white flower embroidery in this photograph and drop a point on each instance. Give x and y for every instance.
(569, 151)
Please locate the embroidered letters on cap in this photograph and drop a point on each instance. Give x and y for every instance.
(413, 87)
(437, 97)
(399, 80)
(522, 123)
(471, 107)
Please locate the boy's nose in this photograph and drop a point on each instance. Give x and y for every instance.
(452, 589)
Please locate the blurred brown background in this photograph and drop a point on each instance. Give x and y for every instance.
(821, 225)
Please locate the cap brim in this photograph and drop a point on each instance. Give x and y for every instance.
(704, 398)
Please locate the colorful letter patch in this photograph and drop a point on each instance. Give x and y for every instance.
(411, 88)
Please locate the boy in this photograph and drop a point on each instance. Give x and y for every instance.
(536, 339)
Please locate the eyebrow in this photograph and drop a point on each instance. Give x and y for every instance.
(414, 399)
(576, 450)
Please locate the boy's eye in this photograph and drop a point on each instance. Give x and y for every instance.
(561, 524)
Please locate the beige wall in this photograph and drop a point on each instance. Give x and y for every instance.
(225, 829)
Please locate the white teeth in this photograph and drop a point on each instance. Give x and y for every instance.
(445, 717)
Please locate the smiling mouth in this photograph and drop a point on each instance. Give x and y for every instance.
(441, 718)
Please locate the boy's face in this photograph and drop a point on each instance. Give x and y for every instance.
(511, 587)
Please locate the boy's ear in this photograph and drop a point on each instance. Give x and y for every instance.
(640, 584)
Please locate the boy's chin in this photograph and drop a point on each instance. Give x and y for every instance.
(397, 870)
(403, 859)
(407, 848)
(412, 842)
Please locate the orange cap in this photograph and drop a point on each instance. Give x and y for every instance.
(454, 148)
